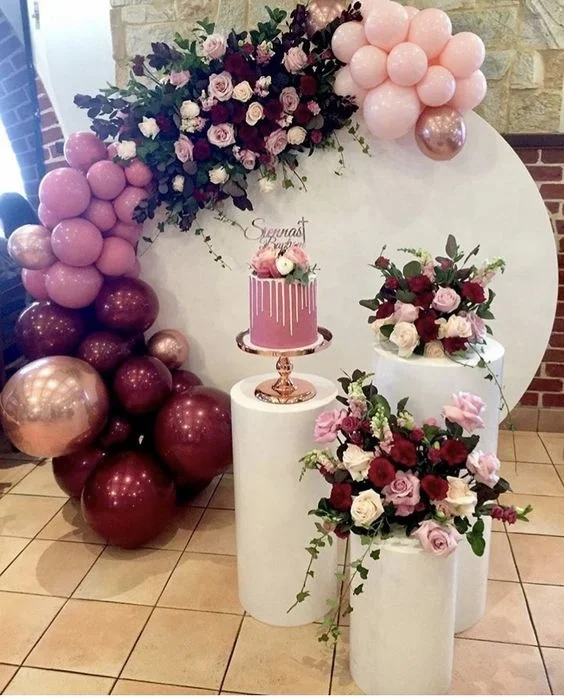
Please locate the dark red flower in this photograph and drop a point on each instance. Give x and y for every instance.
(202, 150)
(341, 534)
(308, 86)
(350, 424)
(385, 309)
(236, 65)
(497, 512)
(454, 452)
(302, 115)
(455, 344)
(381, 472)
(510, 515)
(434, 455)
(356, 438)
(341, 496)
(219, 113)
(419, 283)
(250, 138)
(247, 49)
(424, 300)
(435, 487)
(265, 158)
(316, 137)
(238, 112)
(201, 197)
(273, 110)
(164, 123)
(403, 451)
(383, 263)
(426, 327)
(391, 283)
(473, 292)
(417, 435)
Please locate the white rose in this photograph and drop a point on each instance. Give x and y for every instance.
(189, 110)
(149, 127)
(455, 326)
(218, 175)
(266, 185)
(296, 135)
(126, 150)
(366, 508)
(284, 266)
(434, 350)
(406, 338)
(460, 499)
(255, 113)
(243, 91)
(357, 462)
(178, 183)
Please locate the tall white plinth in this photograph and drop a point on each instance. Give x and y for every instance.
(402, 626)
(430, 383)
(271, 504)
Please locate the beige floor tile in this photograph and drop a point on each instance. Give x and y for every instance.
(90, 637)
(176, 536)
(40, 482)
(554, 659)
(532, 479)
(529, 447)
(135, 577)
(271, 660)
(498, 526)
(25, 515)
(23, 618)
(540, 559)
(547, 516)
(204, 582)
(547, 609)
(202, 499)
(506, 618)
(50, 568)
(10, 547)
(11, 473)
(215, 533)
(554, 444)
(184, 648)
(497, 668)
(30, 680)
(152, 688)
(342, 682)
(6, 674)
(69, 525)
(224, 496)
(506, 446)
(502, 566)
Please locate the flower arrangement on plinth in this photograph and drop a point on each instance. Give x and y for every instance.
(291, 263)
(393, 477)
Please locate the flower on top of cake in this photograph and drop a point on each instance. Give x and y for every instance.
(291, 264)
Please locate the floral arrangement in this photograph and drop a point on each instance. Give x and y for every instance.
(393, 477)
(291, 264)
(434, 307)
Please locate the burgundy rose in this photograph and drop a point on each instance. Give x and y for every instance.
(391, 283)
(417, 435)
(510, 515)
(383, 263)
(308, 86)
(341, 496)
(350, 424)
(238, 112)
(316, 137)
(403, 451)
(473, 291)
(419, 283)
(424, 300)
(455, 344)
(454, 452)
(435, 487)
(426, 327)
(385, 310)
(164, 124)
(302, 115)
(341, 534)
(381, 472)
(236, 65)
(200, 196)
(219, 114)
(434, 455)
(250, 138)
(247, 49)
(273, 110)
(202, 150)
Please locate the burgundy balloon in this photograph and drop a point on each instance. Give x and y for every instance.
(72, 471)
(128, 499)
(126, 304)
(45, 329)
(118, 431)
(142, 384)
(184, 381)
(104, 350)
(193, 435)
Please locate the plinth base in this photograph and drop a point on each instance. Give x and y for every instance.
(268, 392)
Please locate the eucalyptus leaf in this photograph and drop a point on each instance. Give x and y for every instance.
(412, 269)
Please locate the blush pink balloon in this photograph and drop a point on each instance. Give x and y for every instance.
(65, 192)
(83, 149)
(437, 87)
(387, 25)
(391, 110)
(106, 179)
(368, 67)
(347, 39)
(411, 12)
(34, 283)
(117, 257)
(345, 86)
(73, 287)
(128, 232)
(127, 202)
(101, 213)
(138, 174)
(430, 29)
(47, 217)
(135, 271)
(469, 92)
(77, 242)
(463, 55)
(407, 64)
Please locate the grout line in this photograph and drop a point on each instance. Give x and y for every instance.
(231, 654)
(160, 684)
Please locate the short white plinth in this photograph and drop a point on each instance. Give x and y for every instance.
(402, 626)
(272, 505)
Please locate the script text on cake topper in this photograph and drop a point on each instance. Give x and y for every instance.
(278, 236)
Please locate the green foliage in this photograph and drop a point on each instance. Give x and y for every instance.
(476, 539)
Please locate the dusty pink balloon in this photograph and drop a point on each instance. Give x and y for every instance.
(463, 55)
(106, 179)
(73, 287)
(101, 213)
(368, 67)
(347, 39)
(30, 247)
(387, 25)
(112, 150)
(430, 29)
(411, 11)
(138, 174)
(117, 257)
(47, 217)
(127, 202)
(469, 92)
(437, 87)
(77, 242)
(65, 192)
(135, 270)
(345, 86)
(34, 283)
(129, 232)
(83, 149)
(391, 110)
(407, 64)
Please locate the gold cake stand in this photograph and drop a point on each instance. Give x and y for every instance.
(285, 390)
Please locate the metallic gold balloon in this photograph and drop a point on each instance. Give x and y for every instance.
(54, 406)
(30, 247)
(323, 12)
(440, 133)
(170, 346)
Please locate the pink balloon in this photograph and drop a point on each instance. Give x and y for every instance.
(83, 149)
(128, 232)
(411, 11)
(391, 110)
(34, 283)
(112, 150)
(463, 55)
(345, 86)
(101, 213)
(387, 25)
(469, 92)
(47, 217)
(407, 64)
(65, 192)
(138, 174)
(368, 67)
(437, 87)
(73, 287)
(135, 271)
(347, 39)
(430, 29)
(106, 179)
(117, 258)
(127, 202)
(77, 242)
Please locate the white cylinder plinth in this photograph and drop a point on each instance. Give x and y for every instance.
(472, 581)
(271, 504)
(402, 626)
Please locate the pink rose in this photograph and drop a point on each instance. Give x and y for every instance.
(438, 539)
(221, 135)
(180, 78)
(405, 312)
(298, 256)
(207, 102)
(264, 263)
(221, 86)
(446, 300)
(429, 271)
(484, 467)
(403, 492)
(465, 411)
(184, 149)
(327, 425)
(314, 108)
(295, 59)
(246, 157)
(431, 421)
(214, 46)
(276, 142)
(289, 99)
(479, 330)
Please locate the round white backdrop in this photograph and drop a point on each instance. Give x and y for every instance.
(397, 198)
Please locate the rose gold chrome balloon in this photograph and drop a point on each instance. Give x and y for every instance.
(323, 12)
(170, 346)
(30, 247)
(54, 406)
(440, 133)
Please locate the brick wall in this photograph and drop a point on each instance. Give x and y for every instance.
(51, 133)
